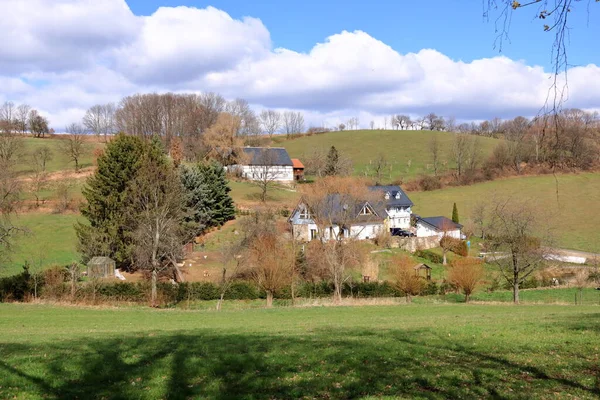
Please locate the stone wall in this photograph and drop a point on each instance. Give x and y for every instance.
(413, 244)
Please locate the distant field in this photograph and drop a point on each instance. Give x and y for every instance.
(50, 239)
(575, 212)
(59, 160)
(392, 352)
(399, 147)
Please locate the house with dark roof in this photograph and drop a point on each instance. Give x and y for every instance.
(437, 226)
(366, 220)
(265, 163)
(397, 205)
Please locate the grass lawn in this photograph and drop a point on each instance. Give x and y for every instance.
(416, 352)
(245, 193)
(574, 212)
(50, 239)
(399, 147)
(59, 160)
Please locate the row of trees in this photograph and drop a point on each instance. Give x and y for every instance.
(21, 119)
(141, 210)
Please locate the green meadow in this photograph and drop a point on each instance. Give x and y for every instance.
(393, 352)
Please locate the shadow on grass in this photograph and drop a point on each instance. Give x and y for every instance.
(320, 364)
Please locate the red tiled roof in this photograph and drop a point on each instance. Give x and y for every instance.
(296, 163)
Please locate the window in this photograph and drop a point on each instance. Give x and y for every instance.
(397, 195)
(387, 195)
(313, 234)
(304, 214)
(366, 210)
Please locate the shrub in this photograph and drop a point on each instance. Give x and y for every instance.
(430, 256)
(16, 287)
(429, 182)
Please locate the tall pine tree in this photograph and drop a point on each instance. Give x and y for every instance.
(207, 200)
(455, 214)
(106, 205)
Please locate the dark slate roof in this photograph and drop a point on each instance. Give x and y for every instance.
(273, 155)
(403, 201)
(439, 222)
(336, 207)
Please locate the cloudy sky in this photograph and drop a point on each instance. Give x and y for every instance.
(332, 61)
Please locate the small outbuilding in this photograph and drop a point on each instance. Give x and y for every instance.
(298, 169)
(101, 267)
(423, 267)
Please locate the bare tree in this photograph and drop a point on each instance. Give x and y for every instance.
(11, 147)
(377, 167)
(22, 117)
(7, 117)
(479, 215)
(38, 125)
(447, 242)
(460, 150)
(466, 274)
(372, 125)
(405, 278)
(434, 148)
(39, 179)
(221, 140)
(41, 156)
(231, 263)
(293, 122)
(100, 119)
(266, 173)
(270, 121)
(335, 206)
(156, 217)
(10, 196)
(272, 261)
(73, 145)
(518, 240)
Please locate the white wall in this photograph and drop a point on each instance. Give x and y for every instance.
(399, 219)
(426, 230)
(275, 173)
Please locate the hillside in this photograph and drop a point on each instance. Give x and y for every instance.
(407, 151)
(574, 211)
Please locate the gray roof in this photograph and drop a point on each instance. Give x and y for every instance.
(440, 222)
(101, 260)
(403, 201)
(336, 207)
(267, 156)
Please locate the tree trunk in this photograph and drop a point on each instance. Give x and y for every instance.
(269, 299)
(220, 302)
(153, 296)
(444, 261)
(337, 292)
(466, 298)
(516, 292)
(515, 278)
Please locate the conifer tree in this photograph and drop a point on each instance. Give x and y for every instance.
(455, 214)
(331, 166)
(106, 205)
(207, 200)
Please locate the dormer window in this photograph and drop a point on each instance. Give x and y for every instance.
(397, 195)
(366, 211)
(387, 195)
(304, 214)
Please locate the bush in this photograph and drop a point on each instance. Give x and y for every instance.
(17, 287)
(430, 289)
(430, 256)
(428, 182)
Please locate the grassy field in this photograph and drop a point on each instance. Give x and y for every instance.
(59, 160)
(574, 212)
(247, 193)
(399, 147)
(50, 239)
(416, 352)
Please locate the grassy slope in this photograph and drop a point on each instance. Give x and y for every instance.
(50, 238)
(427, 352)
(59, 160)
(575, 213)
(399, 147)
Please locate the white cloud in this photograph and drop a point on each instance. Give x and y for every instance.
(63, 56)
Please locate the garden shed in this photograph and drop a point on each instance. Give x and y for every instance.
(101, 267)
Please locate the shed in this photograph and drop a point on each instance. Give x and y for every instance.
(298, 169)
(101, 267)
(423, 267)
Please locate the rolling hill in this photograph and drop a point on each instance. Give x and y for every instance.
(407, 151)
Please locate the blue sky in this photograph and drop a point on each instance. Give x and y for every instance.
(456, 28)
(331, 60)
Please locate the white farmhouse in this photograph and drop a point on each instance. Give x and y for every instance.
(438, 226)
(266, 163)
(397, 206)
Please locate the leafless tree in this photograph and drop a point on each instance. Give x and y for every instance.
(293, 122)
(156, 219)
(335, 205)
(73, 145)
(353, 123)
(38, 125)
(7, 117)
(372, 125)
(377, 168)
(518, 238)
(39, 178)
(342, 126)
(11, 147)
(466, 274)
(270, 121)
(40, 157)
(100, 119)
(266, 173)
(460, 150)
(10, 196)
(434, 148)
(222, 141)
(479, 215)
(22, 117)
(232, 260)
(272, 261)
(405, 278)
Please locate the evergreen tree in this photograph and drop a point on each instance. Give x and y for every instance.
(331, 165)
(207, 200)
(455, 214)
(107, 204)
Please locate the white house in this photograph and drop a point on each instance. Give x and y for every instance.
(397, 206)
(438, 226)
(266, 163)
(366, 223)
